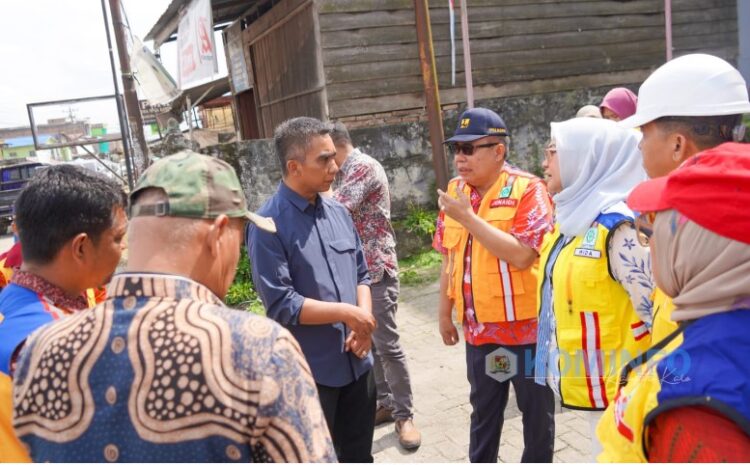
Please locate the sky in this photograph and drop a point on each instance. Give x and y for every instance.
(57, 49)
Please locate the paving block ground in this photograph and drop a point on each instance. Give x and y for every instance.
(441, 397)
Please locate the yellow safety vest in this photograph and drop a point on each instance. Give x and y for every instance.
(708, 367)
(663, 325)
(501, 291)
(91, 298)
(596, 327)
(621, 428)
(11, 449)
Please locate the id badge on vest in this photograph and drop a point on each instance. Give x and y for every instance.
(588, 246)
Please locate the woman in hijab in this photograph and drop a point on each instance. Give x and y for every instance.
(688, 398)
(618, 104)
(594, 277)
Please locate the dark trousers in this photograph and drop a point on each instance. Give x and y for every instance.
(489, 397)
(392, 380)
(350, 414)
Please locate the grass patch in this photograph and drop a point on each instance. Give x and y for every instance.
(420, 268)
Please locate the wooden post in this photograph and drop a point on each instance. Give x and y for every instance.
(135, 120)
(467, 55)
(431, 92)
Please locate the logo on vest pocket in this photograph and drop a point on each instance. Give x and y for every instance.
(588, 253)
(589, 240)
(505, 193)
(503, 203)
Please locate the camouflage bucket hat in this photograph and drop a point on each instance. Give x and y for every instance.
(197, 186)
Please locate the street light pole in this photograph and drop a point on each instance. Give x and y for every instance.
(135, 121)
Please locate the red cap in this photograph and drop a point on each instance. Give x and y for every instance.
(712, 189)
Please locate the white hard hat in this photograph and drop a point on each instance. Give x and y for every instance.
(691, 85)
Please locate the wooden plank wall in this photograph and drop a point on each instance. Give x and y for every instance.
(286, 67)
(518, 47)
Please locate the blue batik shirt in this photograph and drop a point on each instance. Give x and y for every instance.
(162, 371)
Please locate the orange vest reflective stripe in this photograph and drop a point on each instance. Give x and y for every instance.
(501, 291)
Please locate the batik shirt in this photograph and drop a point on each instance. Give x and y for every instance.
(362, 186)
(532, 221)
(162, 372)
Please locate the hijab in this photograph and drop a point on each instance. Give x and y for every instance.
(620, 100)
(600, 163)
(704, 272)
(589, 111)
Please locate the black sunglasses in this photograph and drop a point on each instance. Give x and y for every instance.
(644, 226)
(466, 148)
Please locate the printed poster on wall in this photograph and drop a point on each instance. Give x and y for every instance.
(236, 60)
(196, 50)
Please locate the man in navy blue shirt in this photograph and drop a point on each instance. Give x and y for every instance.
(312, 277)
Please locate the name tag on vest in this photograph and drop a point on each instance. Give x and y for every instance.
(588, 253)
(503, 203)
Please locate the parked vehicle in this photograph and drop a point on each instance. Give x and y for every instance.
(13, 178)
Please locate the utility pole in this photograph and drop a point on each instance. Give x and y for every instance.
(431, 92)
(668, 27)
(135, 121)
(118, 99)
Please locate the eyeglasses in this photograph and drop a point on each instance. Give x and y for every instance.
(644, 227)
(467, 149)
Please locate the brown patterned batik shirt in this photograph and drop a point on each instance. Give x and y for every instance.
(162, 371)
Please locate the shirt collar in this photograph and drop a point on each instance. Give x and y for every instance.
(51, 292)
(294, 198)
(160, 286)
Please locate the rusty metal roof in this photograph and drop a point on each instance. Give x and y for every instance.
(224, 12)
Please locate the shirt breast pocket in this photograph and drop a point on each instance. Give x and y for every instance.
(343, 246)
(342, 254)
(498, 214)
(451, 237)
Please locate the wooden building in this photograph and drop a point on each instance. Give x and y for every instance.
(358, 60)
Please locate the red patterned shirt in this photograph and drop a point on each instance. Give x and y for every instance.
(56, 302)
(362, 186)
(532, 221)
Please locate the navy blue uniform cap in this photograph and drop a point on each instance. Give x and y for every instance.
(476, 123)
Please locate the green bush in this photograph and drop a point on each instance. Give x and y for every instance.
(420, 221)
(241, 294)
